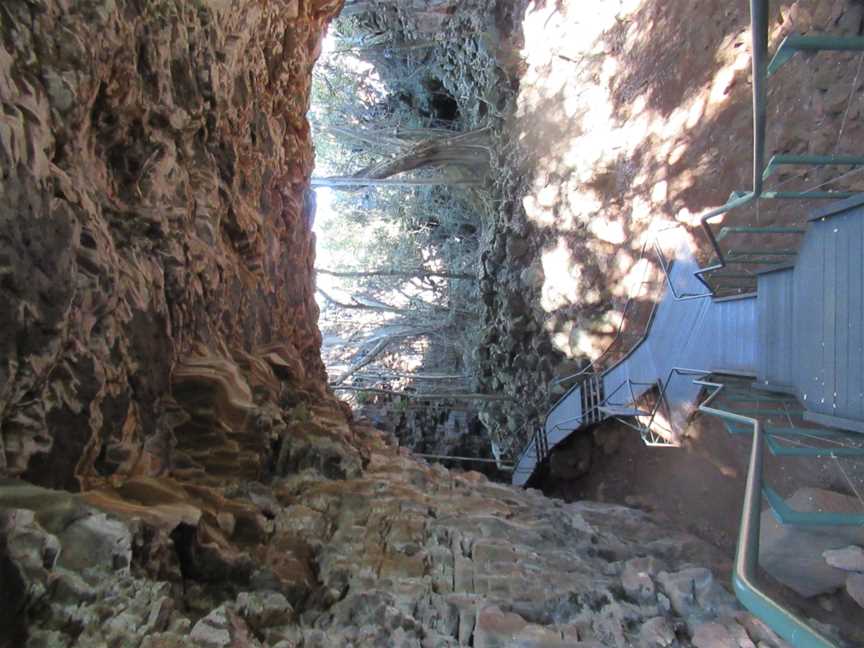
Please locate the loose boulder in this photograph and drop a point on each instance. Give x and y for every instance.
(794, 555)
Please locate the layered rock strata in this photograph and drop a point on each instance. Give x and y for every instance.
(398, 554)
(154, 220)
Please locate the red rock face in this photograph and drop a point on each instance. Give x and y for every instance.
(156, 252)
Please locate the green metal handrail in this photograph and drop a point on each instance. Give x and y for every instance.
(759, 31)
(785, 622)
(779, 618)
(761, 71)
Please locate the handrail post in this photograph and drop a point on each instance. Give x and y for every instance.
(747, 552)
(759, 10)
(759, 31)
(782, 620)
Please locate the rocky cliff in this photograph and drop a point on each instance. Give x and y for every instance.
(155, 227)
(174, 472)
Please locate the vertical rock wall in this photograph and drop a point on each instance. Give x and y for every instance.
(153, 211)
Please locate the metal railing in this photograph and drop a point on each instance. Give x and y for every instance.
(762, 69)
(592, 366)
(781, 619)
(591, 371)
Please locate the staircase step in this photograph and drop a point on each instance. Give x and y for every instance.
(813, 43)
(736, 428)
(755, 397)
(780, 450)
(786, 515)
(829, 332)
(757, 412)
(776, 306)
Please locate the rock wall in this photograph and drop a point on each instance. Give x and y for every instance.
(154, 221)
(174, 472)
(401, 554)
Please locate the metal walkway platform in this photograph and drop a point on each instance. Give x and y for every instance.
(828, 327)
(701, 333)
(801, 332)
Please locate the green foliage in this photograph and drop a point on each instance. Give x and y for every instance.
(364, 398)
(400, 405)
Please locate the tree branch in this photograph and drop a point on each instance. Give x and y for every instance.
(422, 396)
(418, 273)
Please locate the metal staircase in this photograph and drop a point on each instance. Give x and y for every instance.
(795, 328)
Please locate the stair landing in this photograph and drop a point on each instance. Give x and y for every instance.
(692, 333)
(828, 326)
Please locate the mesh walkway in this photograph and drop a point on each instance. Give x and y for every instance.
(703, 333)
(802, 333)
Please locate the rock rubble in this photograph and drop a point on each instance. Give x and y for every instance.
(402, 554)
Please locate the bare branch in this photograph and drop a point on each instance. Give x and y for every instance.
(423, 396)
(419, 273)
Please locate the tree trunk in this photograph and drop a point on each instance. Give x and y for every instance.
(419, 273)
(421, 396)
(357, 305)
(387, 375)
(356, 8)
(346, 182)
(381, 345)
(368, 359)
(465, 150)
(388, 46)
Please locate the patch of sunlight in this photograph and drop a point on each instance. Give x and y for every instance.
(686, 217)
(562, 284)
(611, 231)
(639, 104)
(536, 213)
(584, 345)
(675, 238)
(547, 196)
(324, 256)
(640, 209)
(572, 102)
(579, 204)
(721, 84)
(660, 191)
(328, 43)
(632, 280)
(677, 153)
(660, 425)
(603, 150)
(561, 339)
(696, 111)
